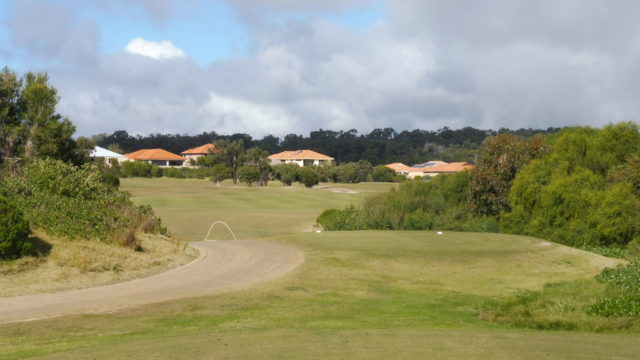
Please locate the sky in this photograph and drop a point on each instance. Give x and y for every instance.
(288, 66)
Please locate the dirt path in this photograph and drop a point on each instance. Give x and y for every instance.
(222, 266)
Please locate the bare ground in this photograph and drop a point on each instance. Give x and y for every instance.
(221, 266)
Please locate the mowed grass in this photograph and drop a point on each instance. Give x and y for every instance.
(189, 206)
(359, 295)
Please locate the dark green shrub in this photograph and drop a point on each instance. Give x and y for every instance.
(286, 173)
(73, 202)
(111, 179)
(336, 219)
(14, 231)
(308, 176)
(418, 220)
(382, 173)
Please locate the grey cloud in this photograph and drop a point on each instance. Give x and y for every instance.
(52, 31)
(432, 64)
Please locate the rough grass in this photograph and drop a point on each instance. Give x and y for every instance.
(63, 265)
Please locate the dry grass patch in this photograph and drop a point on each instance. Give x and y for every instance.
(64, 265)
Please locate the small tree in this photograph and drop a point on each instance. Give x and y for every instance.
(308, 176)
(220, 172)
(249, 174)
(14, 231)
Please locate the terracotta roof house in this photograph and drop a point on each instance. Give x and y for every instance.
(300, 157)
(157, 157)
(195, 153)
(435, 170)
(397, 167)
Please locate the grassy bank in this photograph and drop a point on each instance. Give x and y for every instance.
(62, 264)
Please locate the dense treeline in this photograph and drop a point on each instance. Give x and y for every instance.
(379, 146)
(579, 187)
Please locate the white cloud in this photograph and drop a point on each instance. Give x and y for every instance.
(228, 115)
(159, 50)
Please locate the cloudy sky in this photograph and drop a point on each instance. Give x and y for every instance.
(291, 66)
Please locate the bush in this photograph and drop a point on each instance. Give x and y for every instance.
(308, 176)
(14, 231)
(336, 219)
(382, 173)
(623, 285)
(72, 202)
(418, 220)
(111, 179)
(286, 173)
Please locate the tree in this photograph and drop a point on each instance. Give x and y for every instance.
(258, 158)
(500, 159)
(30, 126)
(220, 172)
(308, 176)
(249, 174)
(231, 154)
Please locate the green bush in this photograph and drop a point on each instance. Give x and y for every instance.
(418, 220)
(14, 231)
(286, 173)
(623, 286)
(308, 176)
(111, 179)
(382, 173)
(341, 219)
(73, 202)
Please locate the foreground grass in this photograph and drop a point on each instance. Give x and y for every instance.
(62, 264)
(359, 295)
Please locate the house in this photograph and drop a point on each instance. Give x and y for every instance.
(107, 155)
(430, 168)
(435, 170)
(300, 157)
(397, 167)
(156, 157)
(195, 153)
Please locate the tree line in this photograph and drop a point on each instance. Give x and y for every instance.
(380, 146)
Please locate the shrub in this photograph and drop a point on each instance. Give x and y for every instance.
(111, 179)
(308, 176)
(418, 220)
(72, 202)
(382, 173)
(344, 219)
(623, 285)
(14, 230)
(286, 173)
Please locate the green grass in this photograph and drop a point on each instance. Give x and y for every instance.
(189, 206)
(360, 295)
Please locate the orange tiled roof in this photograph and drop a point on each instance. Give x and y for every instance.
(447, 168)
(397, 166)
(204, 149)
(300, 155)
(153, 154)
